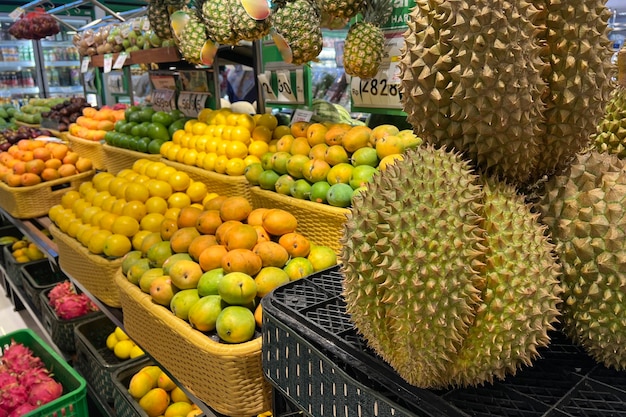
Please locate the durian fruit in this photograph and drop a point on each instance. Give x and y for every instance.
(448, 275)
(517, 86)
(611, 134)
(585, 209)
(298, 22)
(365, 42)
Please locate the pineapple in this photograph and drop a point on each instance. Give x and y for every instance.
(245, 27)
(159, 12)
(365, 42)
(298, 22)
(193, 37)
(215, 15)
(342, 9)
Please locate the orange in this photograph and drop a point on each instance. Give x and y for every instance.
(262, 134)
(268, 120)
(196, 191)
(179, 200)
(179, 181)
(165, 173)
(236, 149)
(159, 188)
(235, 166)
(152, 222)
(258, 148)
(240, 134)
(156, 205)
(135, 209)
(125, 225)
(117, 245)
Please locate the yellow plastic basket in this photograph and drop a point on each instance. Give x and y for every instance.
(87, 148)
(227, 377)
(228, 185)
(94, 272)
(36, 200)
(321, 223)
(117, 159)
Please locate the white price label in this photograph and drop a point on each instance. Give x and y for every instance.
(121, 59)
(125, 31)
(376, 92)
(285, 90)
(301, 115)
(266, 87)
(108, 63)
(16, 13)
(84, 64)
(191, 104)
(136, 25)
(163, 100)
(146, 25)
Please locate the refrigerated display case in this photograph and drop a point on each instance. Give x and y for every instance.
(49, 67)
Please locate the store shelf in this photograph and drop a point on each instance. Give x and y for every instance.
(68, 89)
(17, 65)
(62, 63)
(148, 56)
(20, 90)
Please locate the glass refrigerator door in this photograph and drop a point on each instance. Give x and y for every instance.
(18, 70)
(60, 61)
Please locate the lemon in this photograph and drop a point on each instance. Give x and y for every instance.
(122, 349)
(111, 341)
(136, 351)
(120, 334)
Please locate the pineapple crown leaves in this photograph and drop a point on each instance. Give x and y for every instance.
(376, 12)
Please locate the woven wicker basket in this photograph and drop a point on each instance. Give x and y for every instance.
(89, 149)
(221, 184)
(94, 272)
(116, 159)
(36, 200)
(227, 377)
(321, 223)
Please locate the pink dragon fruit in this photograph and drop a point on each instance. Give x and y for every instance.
(34, 376)
(73, 305)
(19, 358)
(22, 410)
(45, 392)
(60, 290)
(13, 396)
(7, 378)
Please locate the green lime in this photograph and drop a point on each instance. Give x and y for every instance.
(110, 136)
(128, 127)
(136, 131)
(176, 114)
(145, 114)
(176, 125)
(339, 195)
(130, 110)
(135, 117)
(319, 191)
(267, 179)
(163, 118)
(142, 144)
(158, 131)
(119, 125)
(154, 147)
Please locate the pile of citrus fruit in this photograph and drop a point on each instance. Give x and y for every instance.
(212, 265)
(111, 214)
(328, 163)
(122, 346)
(222, 141)
(158, 395)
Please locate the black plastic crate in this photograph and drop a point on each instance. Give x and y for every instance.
(37, 277)
(61, 331)
(8, 231)
(12, 267)
(94, 360)
(313, 354)
(123, 403)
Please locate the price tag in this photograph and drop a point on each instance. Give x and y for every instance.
(84, 64)
(191, 104)
(146, 25)
(300, 85)
(16, 13)
(266, 87)
(378, 91)
(301, 115)
(108, 62)
(136, 25)
(119, 62)
(125, 31)
(285, 90)
(163, 100)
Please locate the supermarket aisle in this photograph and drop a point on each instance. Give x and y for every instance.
(11, 320)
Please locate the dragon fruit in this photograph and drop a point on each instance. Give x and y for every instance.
(13, 396)
(7, 378)
(73, 305)
(19, 358)
(34, 376)
(22, 409)
(60, 290)
(44, 392)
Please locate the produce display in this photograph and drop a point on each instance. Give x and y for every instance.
(297, 26)
(7, 111)
(191, 37)
(144, 130)
(221, 141)
(62, 114)
(25, 381)
(10, 136)
(158, 395)
(328, 163)
(94, 123)
(68, 303)
(122, 346)
(32, 161)
(31, 113)
(34, 25)
(23, 250)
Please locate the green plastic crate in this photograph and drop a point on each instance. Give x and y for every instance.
(73, 402)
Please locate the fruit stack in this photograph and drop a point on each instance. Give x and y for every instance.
(17, 254)
(31, 113)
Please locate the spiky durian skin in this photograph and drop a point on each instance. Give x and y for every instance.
(363, 50)
(611, 133)
(584, 207)
(464, 86)
(451, 281)
(578, 53)
(496, 80)
(298, 22)
(520, 291)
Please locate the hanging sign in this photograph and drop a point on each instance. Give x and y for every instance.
(163, 100)
(121, 59)
(16, 13)
(266, 88)
(84, 64)
(192, 103)
(108, 63)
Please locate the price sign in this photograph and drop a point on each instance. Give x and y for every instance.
(301, 115)
(16, 13)
(163, 100)
(191, 103)
(285, 90)
(145, 25)
(119, 62)
(266, 87)
(108, 62)
(84, 64)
